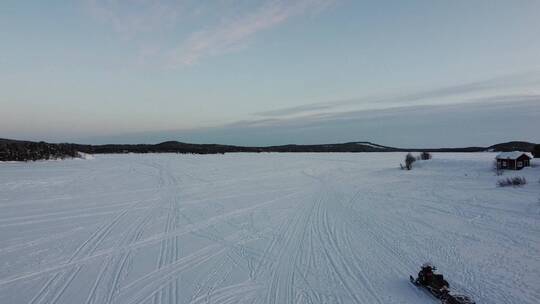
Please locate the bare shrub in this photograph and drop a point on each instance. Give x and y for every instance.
(425, 155)
(514, 181)
(498, 171)
(409, 160)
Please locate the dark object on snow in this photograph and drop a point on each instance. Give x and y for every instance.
(409, 160)
(425, 155)
(438, 286)
(426, 277)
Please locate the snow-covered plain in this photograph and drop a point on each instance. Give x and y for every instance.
(264, 228)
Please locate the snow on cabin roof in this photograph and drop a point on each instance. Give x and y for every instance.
(511, 155)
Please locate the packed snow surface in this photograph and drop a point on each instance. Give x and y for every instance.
(265, 228)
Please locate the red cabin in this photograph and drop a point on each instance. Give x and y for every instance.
(513, 160)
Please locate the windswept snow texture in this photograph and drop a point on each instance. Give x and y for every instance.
(264, 228)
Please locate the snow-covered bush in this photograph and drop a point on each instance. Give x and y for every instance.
(409, 160)
(514, 181)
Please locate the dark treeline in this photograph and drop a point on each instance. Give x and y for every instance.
(165, 147)
(179, 147)
(14, 150)
(25, 150)
(536, 151)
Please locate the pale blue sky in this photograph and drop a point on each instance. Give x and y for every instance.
(97, 70)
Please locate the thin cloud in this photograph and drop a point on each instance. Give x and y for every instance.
(434, 96)
(399, 126)
(444, 126)
(141, 20)
(233, 35)
(297, 110)
(135, 18)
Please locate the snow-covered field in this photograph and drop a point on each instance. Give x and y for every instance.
(264, 228)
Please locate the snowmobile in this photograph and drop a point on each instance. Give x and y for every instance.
(438, 287)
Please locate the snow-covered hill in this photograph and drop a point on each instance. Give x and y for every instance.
(264, 228)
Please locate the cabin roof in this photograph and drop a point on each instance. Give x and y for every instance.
(512, 155)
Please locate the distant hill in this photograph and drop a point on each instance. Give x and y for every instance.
(16, 150)
(513, 146)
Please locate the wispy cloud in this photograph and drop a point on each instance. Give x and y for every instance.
(237, 24)
(234, 34)
(136, 17)
(406, 127)
(484, 90)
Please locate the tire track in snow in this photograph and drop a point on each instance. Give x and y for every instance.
(305, 228)
(146, 287)
(333, 256)
(72, 217)
(168, 254)
(218, 275)
(61, 281)
(334, 238)
(56, 285)
(68, 213)
(325, 235)
(378, 233)
(169, 250)
(344, 249)
(277, 270)
(214, 278)
(237, 293)
(29, 244)
(114, 267)
(188, 229)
